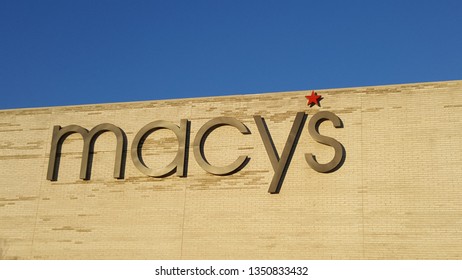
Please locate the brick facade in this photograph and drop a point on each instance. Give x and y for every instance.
(398, 194)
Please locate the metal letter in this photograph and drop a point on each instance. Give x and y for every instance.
(280, 166)
(199, 142)
(178, 162)
(89, 138)
(313, 128)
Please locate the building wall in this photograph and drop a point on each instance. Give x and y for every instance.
(398, 194)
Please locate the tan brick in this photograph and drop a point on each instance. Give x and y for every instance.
(397, 196)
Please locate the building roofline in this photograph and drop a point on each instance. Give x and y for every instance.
(223, 96)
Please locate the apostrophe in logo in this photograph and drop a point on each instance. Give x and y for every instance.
(313, 99)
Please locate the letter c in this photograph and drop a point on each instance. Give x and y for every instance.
(199, 142)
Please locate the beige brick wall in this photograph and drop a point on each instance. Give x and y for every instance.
(397, 196)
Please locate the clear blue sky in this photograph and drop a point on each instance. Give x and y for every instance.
(77, 51)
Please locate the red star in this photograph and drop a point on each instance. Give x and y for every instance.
(313, 99)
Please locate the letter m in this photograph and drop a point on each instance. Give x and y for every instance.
(89, 137)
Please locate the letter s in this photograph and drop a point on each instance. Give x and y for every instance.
(313, 128)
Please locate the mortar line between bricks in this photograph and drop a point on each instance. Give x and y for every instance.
(184, 201)
(182, 226)
(44, 170)
(362, 175)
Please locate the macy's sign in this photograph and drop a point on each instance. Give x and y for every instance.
(280, 163)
